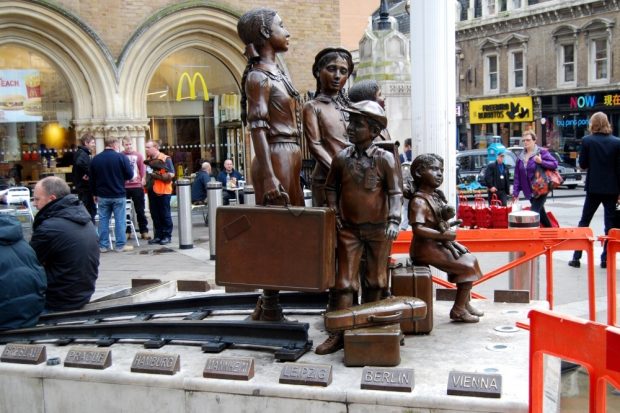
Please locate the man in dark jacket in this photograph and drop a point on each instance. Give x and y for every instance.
(600, 157)
(496, 178)
(22, 279)
(81, 174)
(66, 244)
(199, 186)
(230, 177)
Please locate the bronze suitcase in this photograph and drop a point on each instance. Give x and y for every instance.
(373, 346)
(415, 281)
(275, 247)
(388, 311)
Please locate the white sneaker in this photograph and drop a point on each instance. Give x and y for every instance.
(103, 250)
(126, 248)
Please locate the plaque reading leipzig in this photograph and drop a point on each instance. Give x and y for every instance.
(229, 368)
(24, 353)
(89, 359)
(475, 384)
(156, 363)
(389, 379)
(306, 374)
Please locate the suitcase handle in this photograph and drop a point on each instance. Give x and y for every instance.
(383, 318)
(287, 199)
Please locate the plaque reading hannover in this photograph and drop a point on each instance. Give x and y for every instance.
(475, 384)
(89, 359)
(306, 374)
(24, 353)
(156, 363)
(231, 368)
(389, 379)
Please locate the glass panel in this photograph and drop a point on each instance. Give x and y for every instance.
(518, 78)
(569, 73)
(518, 60)
(569, 53)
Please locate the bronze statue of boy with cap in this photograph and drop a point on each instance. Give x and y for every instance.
(364, 189)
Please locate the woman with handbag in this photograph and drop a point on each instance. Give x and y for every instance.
(525, 174)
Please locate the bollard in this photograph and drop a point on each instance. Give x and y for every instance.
(524, 276)
(184, 200)
(214, 199)
(248, 195)
(307, 197)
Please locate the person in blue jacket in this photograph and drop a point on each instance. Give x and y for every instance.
(22, 278)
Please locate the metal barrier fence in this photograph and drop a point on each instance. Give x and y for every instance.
(613, 247)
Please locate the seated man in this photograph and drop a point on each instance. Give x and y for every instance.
(67, 245)
(199, 186)
(230, 178)
(22, 279)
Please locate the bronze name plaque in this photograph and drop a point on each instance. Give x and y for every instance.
(156, 363)
(230, 368)
(306, 374)
(475, 384)
(24, 353)
(389, 379)
(89, 359)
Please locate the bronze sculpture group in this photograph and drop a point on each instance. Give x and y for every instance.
(354, 175)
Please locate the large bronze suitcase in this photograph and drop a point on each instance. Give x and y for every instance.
(373, 346)
(388, 311)
(275, 247)
(415, 281)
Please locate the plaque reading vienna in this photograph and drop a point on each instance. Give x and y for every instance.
(475, 384)
(24, 353)
(230, 368)
(89, 359)
(306, 374)
(389, 379)
(156, 363)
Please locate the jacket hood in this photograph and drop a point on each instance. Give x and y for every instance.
(10, 230)
(68, 207)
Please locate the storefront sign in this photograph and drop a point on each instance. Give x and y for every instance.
(515, 109)
(191, 81)
(20, 96)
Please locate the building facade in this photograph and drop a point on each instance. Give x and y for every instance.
(545, 65)
(156, 69)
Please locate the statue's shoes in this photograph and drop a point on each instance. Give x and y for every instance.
(473, 310)
(463, 317)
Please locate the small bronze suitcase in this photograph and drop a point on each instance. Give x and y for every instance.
(415, 281)
(275, 247)
(388, 311)
(373, 346)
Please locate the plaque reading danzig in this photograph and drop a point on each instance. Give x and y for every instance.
(231, 368)
(389, 379)
(306, 374)
(474, 384)
(156, 363)
(89, 359)
(24, 353)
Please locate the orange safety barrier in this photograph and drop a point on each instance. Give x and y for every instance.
(592, 345)
(533, 242)
(613, 247)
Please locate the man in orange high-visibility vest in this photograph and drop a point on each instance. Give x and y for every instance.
(159, 184)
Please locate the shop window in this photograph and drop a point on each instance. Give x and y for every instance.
(516, 81)
(567, 67)
(491, 74)
(598, 62)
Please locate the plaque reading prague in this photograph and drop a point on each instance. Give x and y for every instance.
(229, 368)
(306, 374)
(475, 384)
(156, 363)
(388, 379)
(24, 353)
(89, 359)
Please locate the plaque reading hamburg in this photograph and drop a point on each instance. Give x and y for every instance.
(156, 363)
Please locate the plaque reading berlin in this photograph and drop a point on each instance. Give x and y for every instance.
(475, 384)
(24, 353)
(389, 379)
(89, 359)
(230, 368)
(156, 363)
(306, 374)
